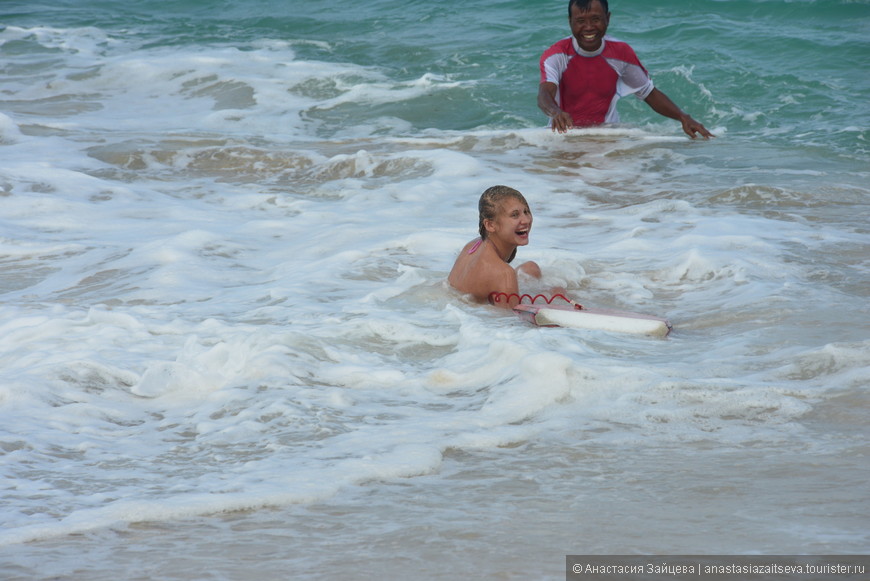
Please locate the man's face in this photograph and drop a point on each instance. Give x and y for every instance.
(590, 26)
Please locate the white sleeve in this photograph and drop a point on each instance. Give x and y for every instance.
(554, 66)
(632, 79)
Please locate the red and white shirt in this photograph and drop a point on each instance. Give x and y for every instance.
(590, 83)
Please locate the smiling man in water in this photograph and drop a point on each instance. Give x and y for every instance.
(584, 75)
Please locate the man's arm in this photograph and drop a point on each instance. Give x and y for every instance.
(662, 105)
(562, 121)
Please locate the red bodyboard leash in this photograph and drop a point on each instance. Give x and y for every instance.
(497, 297)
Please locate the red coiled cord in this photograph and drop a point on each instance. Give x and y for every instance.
(497, 297)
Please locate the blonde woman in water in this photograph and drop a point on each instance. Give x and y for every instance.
(482, 268)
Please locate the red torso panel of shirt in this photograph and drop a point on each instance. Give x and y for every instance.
(587, 89)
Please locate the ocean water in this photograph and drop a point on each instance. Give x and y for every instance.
(227, 350)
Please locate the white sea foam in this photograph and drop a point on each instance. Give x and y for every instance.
(215, 301)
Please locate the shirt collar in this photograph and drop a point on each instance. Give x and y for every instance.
(582, 52)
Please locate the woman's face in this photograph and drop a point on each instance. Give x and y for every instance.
(513, 223)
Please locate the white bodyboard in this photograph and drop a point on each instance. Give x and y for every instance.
(594, 319)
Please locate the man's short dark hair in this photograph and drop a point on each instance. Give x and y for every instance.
(583, 5)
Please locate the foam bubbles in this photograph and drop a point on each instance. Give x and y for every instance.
(222, 271)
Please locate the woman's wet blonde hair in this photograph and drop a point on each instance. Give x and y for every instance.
(488, 207)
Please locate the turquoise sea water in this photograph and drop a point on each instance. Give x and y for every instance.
(226, 346)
